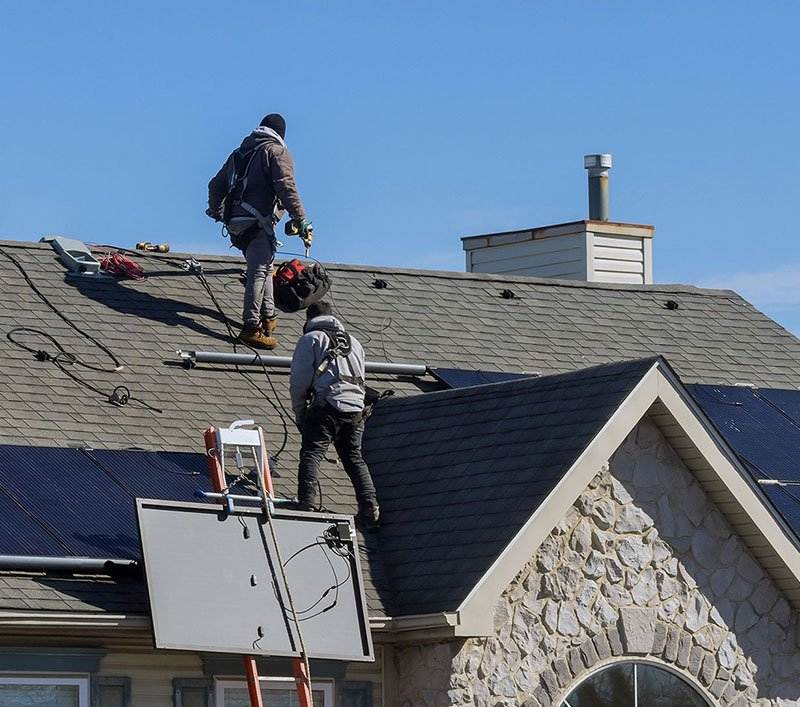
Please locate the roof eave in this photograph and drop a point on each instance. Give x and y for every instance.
(436, 626)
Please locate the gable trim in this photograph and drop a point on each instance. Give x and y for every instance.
(476, 611)
(475, 614)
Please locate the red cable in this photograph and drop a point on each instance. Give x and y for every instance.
(120, 265)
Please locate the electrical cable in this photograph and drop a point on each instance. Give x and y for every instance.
(333, 588)
(197, 269)
(193, 267)
(337, 547)
(118, 366)
(119, 396)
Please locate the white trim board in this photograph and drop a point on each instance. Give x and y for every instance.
(776, 542)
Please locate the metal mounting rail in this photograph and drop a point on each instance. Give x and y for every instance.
(86, 565)
(190, 358)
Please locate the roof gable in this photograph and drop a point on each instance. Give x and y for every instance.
(460, 472)
(660, 396)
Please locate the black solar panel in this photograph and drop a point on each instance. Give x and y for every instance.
(762, 427)
(174, 476)
(463, 378)
(74, 503)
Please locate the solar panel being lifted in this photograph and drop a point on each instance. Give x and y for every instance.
(80, 503)
(762, 428)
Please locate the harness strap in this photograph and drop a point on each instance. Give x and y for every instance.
(331, 354)
(267, 224)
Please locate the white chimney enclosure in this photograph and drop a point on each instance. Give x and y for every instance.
(591, 251)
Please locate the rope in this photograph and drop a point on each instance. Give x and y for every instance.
(117, 363)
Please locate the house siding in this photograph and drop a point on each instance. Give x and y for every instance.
(151, 674)
(643, 566)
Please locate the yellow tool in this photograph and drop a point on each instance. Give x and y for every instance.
(300, 227)
(149, 247)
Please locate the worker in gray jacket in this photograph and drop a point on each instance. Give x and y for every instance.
(250, 194)
(327, 388)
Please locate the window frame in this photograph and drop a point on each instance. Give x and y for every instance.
(181, 684)
(79, 681)
(277, 683)
(699, 689)
(98, 682)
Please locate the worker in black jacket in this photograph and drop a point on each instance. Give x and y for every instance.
(268, 190)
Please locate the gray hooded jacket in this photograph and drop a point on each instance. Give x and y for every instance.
(271, 176)
(309, 353)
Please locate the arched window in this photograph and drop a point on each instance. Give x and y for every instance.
(634, 685)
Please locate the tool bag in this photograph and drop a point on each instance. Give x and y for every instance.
(296, 285)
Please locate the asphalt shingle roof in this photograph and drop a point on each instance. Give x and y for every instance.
(450, 320)
(459, 472)
(39, 591)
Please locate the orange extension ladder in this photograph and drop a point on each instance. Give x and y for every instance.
(239, 435)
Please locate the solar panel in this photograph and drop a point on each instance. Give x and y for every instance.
(201, 562)
(21, 534)
(74, 500)
(463, 378)
(61, 502)
(760, 426)
(168, 475)
(787, 401)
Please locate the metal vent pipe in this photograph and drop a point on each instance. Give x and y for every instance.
(598, 166)
(190, 358)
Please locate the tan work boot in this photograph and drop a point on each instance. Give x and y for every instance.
(269, 325)
(257, 339)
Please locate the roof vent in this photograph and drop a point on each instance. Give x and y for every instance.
(74, 254)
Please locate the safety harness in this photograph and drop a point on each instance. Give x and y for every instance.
(340, 346)
(237, 187)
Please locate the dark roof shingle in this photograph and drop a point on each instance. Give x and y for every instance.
(460, 472)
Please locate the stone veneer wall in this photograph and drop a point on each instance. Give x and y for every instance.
(642, 566)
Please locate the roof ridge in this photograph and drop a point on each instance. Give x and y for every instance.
(516, 384)
(667, 288)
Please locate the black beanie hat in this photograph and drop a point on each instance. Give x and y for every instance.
(276, 122)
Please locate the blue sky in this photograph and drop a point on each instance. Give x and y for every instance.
(415, 123)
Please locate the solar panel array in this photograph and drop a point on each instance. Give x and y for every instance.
(762, 426)
(60, 502)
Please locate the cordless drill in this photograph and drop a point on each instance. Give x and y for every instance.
(300, 227)
(149, 247)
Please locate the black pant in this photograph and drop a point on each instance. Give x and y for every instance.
(321, 426)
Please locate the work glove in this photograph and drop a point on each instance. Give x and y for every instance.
(300, 227)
